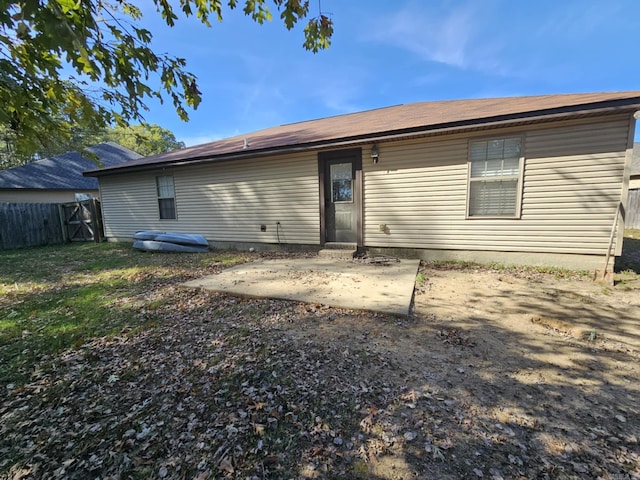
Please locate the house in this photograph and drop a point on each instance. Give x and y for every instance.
(633, 208)
(526, 180)
(59, 179)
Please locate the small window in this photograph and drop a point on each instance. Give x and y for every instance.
(166, 198)
(341, 183)
(495, 168)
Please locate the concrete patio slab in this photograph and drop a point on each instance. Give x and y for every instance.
(344, 284)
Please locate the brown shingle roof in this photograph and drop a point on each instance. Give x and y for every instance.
(401, 119)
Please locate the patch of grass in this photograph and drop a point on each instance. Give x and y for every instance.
(239, 336)
(463, 265)
(225, 258)
(360, 469)
(47, 321)
(632, 233)
(59, 297)
(455, 265)
(557, 272)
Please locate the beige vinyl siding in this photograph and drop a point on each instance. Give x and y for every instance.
(415, 197)
(41, 196)
(226, 202)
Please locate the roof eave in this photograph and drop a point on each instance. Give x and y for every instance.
(561, 113)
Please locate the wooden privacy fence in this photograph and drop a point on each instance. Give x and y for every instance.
(35, 224)
(633, 209)
(82, 221)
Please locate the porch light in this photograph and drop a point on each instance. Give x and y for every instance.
(374, 153)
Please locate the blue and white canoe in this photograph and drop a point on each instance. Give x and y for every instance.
(182, 239)
(156, 241)
(155, 246)
(146, 234)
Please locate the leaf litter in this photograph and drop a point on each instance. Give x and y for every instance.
(222, 387)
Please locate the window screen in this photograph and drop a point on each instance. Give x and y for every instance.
(166, 197)
(494, 177)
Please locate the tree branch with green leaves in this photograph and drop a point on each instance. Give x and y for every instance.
(67, 65)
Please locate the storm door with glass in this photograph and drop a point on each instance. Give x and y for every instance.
(341, 196)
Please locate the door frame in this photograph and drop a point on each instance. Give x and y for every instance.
(353, 155)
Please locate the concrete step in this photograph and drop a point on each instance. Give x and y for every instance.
(337, 253)
(340, 246)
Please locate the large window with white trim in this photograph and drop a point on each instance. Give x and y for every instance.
(166, 197)
(495, 178)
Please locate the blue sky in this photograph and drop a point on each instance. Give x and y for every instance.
(392, 52)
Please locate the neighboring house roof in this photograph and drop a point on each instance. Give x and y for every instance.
(64, 172)
(635, 161)
(411, 119)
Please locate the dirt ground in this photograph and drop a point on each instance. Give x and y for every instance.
(504, 375)
(539, 377)
(496, 374)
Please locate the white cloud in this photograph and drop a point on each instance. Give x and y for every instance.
(451, 37)
(442, 40)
